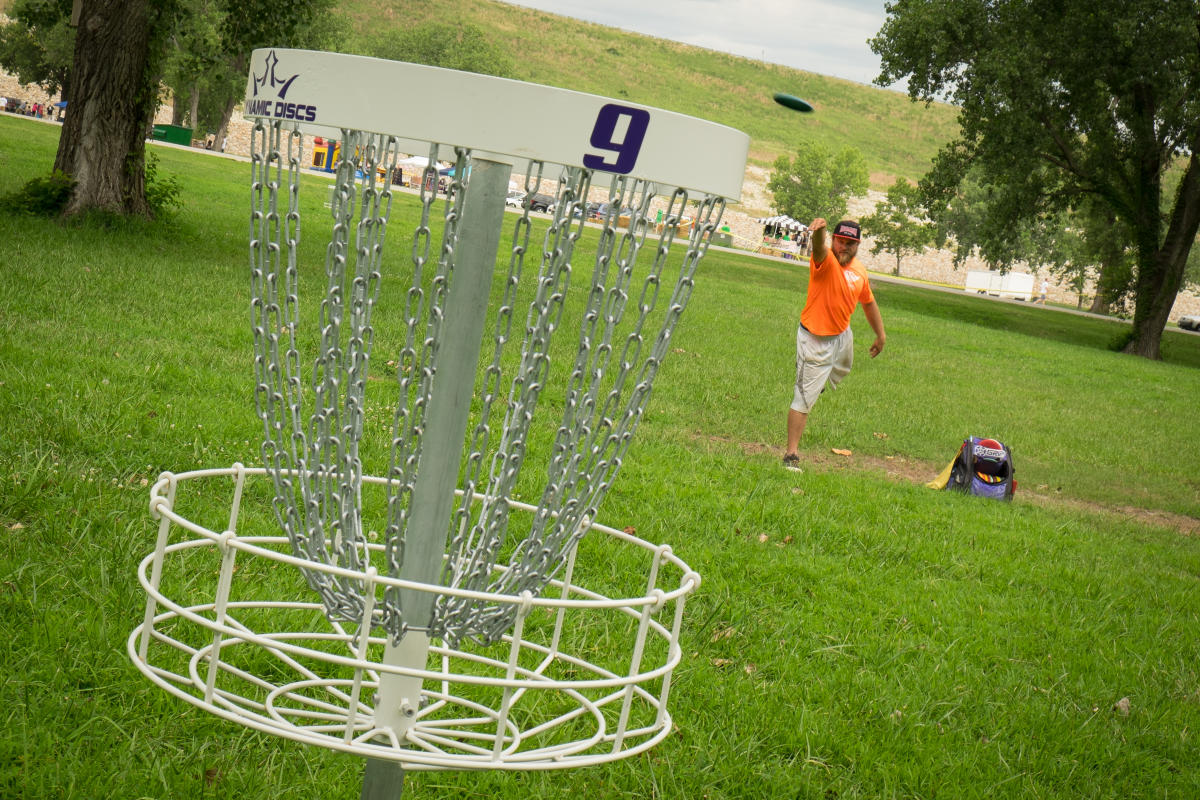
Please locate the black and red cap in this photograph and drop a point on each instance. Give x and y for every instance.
(848, 229)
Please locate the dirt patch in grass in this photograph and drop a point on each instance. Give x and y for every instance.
(920, 472)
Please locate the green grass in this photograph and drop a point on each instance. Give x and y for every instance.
(856, 635)
(895, 136)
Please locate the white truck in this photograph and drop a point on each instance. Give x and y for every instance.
(1017, 285)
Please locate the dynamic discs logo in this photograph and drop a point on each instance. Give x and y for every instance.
(988, 452)
(269, 82)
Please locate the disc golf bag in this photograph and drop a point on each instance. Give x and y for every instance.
(983, 467)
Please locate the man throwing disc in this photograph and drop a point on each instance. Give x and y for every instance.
(837, 282)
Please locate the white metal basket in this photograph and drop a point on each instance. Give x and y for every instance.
(228, 632)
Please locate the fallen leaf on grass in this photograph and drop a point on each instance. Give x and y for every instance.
(841, 452)
(762, 538)
(880, 435)
(16, 526)
(750, 669)
(1122, 706)
(721, 662)
(630, 530)
(722, 633)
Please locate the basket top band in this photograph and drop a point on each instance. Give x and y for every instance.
(499, 117)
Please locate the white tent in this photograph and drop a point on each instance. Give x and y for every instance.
(419, 162)
(782, 223)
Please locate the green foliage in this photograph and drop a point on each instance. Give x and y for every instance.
(195, 62)
(1120, 340)
(1047, 134)
(458, 45)
(164, 194)
(38, 43)
(248, 24)
(898, 225)
(815, 183)
(44, 197)
(212, 40)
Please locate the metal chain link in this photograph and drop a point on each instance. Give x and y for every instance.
(315, 466)
(418, 366)
(315, 463)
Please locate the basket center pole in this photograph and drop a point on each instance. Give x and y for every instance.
(399, 696)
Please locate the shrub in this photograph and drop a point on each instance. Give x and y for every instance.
(45, 197)
(162, 194)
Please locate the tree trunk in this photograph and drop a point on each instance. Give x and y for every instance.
(178, 112)
(1099, 304)
(239, 68)
(194, 107)
(110, 107)
(226, 114)
(896, 271)
(1161, 267)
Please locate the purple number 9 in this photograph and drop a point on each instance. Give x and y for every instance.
(620, 130)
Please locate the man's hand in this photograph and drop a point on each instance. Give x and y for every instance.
(877, 346)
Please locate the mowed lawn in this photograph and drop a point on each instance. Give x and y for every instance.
(856, 635)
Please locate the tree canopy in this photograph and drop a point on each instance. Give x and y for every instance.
(37, 43)
(815, 183)
(898, 225)
(1062, 103)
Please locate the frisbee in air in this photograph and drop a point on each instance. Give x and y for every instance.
(792, 102)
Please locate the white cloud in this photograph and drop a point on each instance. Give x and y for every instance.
(817, 36)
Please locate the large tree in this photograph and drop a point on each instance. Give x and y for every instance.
(1062, 101)
(816, 183)
(111, 100)
(120, 58)
(898, 225)
(249, 24)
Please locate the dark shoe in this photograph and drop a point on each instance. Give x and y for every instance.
(792, 462)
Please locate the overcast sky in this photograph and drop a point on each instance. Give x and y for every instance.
(820, 36)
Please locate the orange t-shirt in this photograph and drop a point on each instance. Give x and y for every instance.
(833, 292)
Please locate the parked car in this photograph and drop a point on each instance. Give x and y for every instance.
(1190, 323)
(516, 199)
(583, 211)
(541, 202)
(602, 209)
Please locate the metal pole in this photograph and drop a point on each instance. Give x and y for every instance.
(398, 699)
(382, 780)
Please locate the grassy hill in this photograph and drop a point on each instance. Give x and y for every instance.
(896, 137)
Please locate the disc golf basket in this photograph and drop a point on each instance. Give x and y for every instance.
(378, 586)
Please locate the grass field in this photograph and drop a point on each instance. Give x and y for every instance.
(856, 634)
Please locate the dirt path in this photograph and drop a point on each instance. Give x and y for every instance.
(918, 472)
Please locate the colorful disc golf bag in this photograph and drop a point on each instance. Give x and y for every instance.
(982, 467)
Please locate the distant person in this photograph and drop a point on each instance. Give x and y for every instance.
(1045, 288)
(837, 282)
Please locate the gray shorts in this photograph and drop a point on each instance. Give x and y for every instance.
(820, 361)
